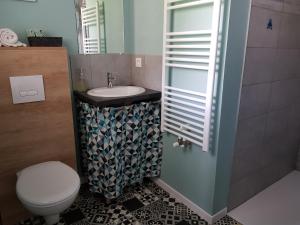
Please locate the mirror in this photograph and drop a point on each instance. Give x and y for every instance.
(100, 26)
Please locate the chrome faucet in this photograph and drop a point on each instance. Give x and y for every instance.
(110, 78)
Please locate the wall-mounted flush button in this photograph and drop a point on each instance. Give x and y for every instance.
(28, 93)
(23, 93)
(32, 93)
(27, 89)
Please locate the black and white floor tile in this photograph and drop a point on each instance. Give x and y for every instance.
(145, 204)
(227, 220)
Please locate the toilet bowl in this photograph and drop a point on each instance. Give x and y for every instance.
(47, 189)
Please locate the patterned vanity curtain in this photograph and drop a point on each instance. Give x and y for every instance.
(120, 146)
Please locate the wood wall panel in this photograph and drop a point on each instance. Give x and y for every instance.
(33, 132)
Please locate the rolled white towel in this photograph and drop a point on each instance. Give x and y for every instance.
(9, 38)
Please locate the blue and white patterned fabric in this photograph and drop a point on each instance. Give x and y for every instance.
(119, 146)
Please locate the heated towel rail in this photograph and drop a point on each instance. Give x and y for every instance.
(187, 113)
(93, 29)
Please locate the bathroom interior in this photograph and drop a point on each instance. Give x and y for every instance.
(150, 112)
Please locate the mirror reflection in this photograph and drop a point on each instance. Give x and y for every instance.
(100, 25)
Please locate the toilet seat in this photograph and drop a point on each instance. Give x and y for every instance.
(45, 206)
(47, 184)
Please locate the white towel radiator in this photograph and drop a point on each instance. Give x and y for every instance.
(187, 113)
(93, 29)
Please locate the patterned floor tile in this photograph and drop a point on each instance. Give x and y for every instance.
(152, 213)
(227, 220)
(183, 223)
(124, 220)
(146, 196)
(81, 222)
(117, 211)
(133, 204)
(99, 218)
(194, 219)
(158, 191)
(125, 197)
(73, 216)
(181, 213)
(33, 221)
(141, 204)
(169, 201)
(181, 209)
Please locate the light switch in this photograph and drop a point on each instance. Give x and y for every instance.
(138, 62)
(27, 89)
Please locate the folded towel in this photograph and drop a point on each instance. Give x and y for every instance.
(8, 38)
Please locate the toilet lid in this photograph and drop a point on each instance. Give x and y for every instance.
(47, 183)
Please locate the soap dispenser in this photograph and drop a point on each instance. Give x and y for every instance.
(81, 84)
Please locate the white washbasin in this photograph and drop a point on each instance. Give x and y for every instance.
(118, 91)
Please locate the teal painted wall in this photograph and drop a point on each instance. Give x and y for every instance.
(230, 98)
(190, 171)
(143, 26)
(57, 17)
(143, 22)
(204, 177)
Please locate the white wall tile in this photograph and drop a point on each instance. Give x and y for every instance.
(150, 75)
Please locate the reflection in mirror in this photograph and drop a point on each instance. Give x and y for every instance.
(100, 26)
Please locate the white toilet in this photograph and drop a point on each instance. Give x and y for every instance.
(47, 189)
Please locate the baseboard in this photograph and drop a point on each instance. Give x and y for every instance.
(181, 198)
(219, 215)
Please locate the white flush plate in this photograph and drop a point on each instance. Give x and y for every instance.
(26, 89)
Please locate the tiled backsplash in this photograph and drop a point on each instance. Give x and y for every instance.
(96, 67)
(150, 74)
(268, 134)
